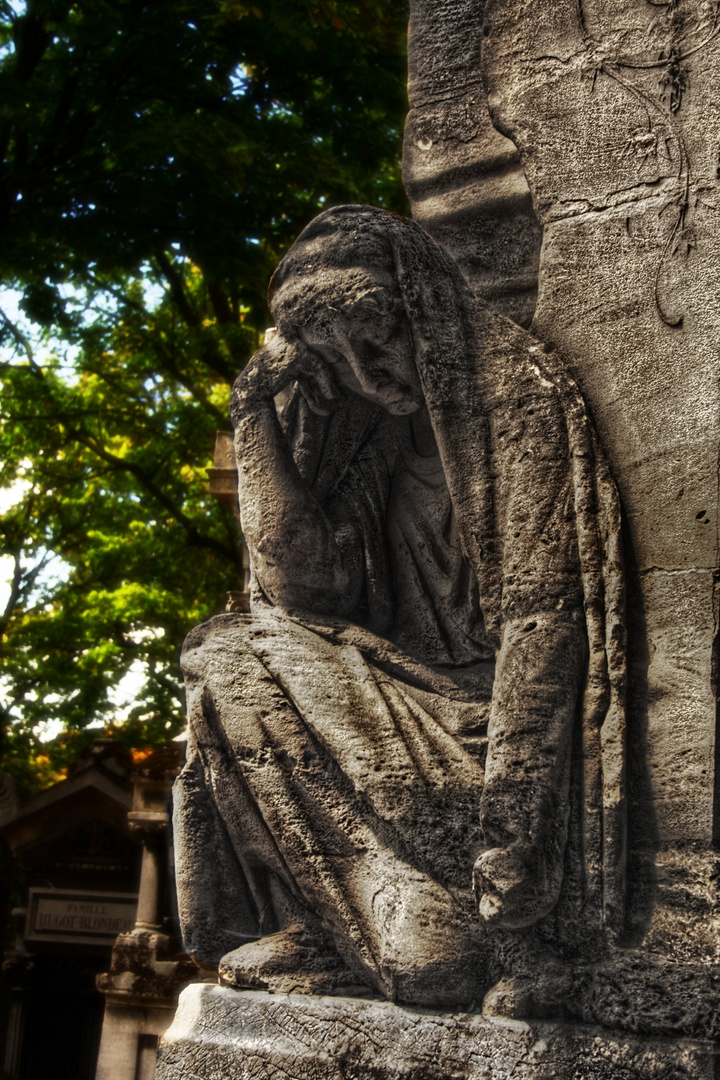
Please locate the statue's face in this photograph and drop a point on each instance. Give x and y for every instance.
(355, 319)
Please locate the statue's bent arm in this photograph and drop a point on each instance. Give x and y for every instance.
(541, 660)
(301, 559)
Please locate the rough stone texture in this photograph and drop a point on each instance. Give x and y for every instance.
(218, 1034)
(352, 754)
(464, 179)
(630, 261)
(615, 111)
(144, 971)
(428, 693)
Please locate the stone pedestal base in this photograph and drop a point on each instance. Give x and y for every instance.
(221, 1034)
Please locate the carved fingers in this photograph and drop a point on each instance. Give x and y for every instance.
(515, 886)
(268, 372)
(316, 381)
(281, 362)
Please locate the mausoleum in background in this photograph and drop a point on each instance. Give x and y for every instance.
(95, 972)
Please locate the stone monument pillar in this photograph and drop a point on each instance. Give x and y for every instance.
(450, 807)
(464, 178)
(615, 110)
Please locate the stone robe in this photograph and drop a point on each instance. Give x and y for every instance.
(352, 771)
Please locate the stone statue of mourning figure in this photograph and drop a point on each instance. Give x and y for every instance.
(411, 748)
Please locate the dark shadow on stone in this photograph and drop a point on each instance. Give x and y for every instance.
(643, 838)
(715, 677)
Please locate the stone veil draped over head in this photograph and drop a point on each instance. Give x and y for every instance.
(428, 694)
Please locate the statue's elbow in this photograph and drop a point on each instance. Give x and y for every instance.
(294, 588)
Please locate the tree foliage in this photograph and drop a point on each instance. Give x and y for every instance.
(156, 159)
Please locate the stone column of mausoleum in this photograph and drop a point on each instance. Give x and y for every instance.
(464, 179)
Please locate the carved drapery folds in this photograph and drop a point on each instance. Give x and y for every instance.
(428, 693)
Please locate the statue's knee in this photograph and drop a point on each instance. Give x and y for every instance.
(235, 625)
(229, 636)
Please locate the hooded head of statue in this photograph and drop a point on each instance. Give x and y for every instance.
(380, 301)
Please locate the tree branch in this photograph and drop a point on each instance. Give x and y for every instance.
(175, 690)
(15, 594)
(20, 338)
(177, 289)
(170, 366)
(195, 537)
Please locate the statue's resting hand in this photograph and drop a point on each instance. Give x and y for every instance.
(513, 886)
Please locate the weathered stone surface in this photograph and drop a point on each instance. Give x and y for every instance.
(614, 109)
(218, 1034)
(434, 536)
(464, 179)
(144, 971)
(413, 745)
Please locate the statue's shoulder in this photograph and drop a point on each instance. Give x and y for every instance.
(517, 370)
